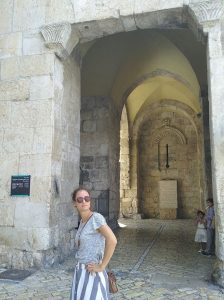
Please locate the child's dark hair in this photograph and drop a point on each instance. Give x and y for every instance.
(200, 212)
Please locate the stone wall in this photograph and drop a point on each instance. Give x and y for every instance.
(31, 77)
(183, 157)
(39, 136)
(124, 164)
(99, 154)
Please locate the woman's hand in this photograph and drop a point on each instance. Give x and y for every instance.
(92, 267)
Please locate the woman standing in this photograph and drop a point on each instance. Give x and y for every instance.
(95, 243)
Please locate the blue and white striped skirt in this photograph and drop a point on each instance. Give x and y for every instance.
(87, 286)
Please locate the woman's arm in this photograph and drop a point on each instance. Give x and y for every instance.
(110, 244)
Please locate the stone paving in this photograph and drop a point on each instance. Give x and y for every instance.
(153, 260)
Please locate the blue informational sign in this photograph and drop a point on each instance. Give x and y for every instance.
(20, 185)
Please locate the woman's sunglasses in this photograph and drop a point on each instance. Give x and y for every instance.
(80, 199)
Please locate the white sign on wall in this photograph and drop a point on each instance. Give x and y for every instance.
(168, 193)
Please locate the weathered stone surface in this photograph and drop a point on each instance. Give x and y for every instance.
(33, 43)
(41, 137)
(5, 114)
(31, 215)
(9, 166)
(89, 126)
(30, 113)
(44, 193)
(27, 66)
(14, 90)
(27, 10)
(6, 16)
(61, 10)
(38, 165)
(42, 140)
(41, 87)
(7, 211)
(17, 140)
(218, 273)
(39, 238)
(10, 45)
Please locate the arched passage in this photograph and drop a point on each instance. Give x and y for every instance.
(140, 69)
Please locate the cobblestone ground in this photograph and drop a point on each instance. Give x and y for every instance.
(153, 260)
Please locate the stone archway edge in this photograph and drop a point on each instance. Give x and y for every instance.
(63, 37)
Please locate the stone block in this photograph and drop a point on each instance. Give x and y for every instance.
(31, 215)
(36, 165)
(26, 114)
(42, 140)
(87, 103)
(217, 68)
(89, 126)
(215, 42)
(167, 214)
(6, 15)
(39, 238)
(130, 193)
(9, 166)
(26, 66)
(86, 159)
(14, 90)
(10, 45)
(86, 115)
(110, 26)
(101, 162)
(41, 189)
(7, 214)
(155, 5)
(147, 20)
(27, 10)
(5, 114)
(33, 43)
(102, 125)
(95, 11)
(126, 200)
(18, 141)
(101, 186)
(128, 22)
(41, 87)
(1, 139)
(60, 10)
(15, 237)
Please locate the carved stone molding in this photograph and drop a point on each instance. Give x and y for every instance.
(165, 131)
(60, 38)
(207, 13)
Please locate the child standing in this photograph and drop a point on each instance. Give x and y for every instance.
(201, 233)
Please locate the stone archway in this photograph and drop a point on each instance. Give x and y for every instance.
(158, 168)
(204, 17)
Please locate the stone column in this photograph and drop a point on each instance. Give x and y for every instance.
(206, 183)
(100, 154)
(66, 136)
(216, 96)
(207, 17)
(132, 194)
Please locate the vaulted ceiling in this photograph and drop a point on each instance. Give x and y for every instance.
(141, 67)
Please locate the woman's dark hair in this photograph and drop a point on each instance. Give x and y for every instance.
(80, 188)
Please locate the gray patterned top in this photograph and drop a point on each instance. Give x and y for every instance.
(91, 242)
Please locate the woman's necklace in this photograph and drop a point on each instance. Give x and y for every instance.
(79, 234)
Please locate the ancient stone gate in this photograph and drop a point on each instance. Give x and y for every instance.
(42, 93)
